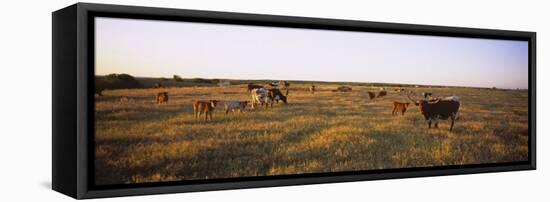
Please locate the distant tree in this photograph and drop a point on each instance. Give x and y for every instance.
(115, 81)
(177, 78)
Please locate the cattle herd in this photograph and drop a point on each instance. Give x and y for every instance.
(432, 108)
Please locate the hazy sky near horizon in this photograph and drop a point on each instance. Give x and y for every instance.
(151, 48)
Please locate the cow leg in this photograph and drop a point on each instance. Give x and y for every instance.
(393, 111)
(403, 113)
(436, 122)
(452, 123)
(429, 123)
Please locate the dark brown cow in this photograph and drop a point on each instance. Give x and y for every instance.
(276, 95)
(372, 95)
(382, 93)
(439, 109)
(204, 107)
(162, 97)
(312, 89)
(399, 107)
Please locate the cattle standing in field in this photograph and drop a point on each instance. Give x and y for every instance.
(399, 107)
(382, 93)
(234, 106)
(439, 109)
(266, 97)
(204, 107)
(312, 89)
(343, 89)
(260, 96)
(162, 97)
(276, 95)
(372, 95)
(252, 86)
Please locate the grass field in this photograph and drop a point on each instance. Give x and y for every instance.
(140, 141)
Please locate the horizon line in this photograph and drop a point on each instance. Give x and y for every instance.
(360, 82)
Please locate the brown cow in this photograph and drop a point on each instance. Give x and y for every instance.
(372, 95)
(400, 107)
(312, 89)
(206, 107)
(162, 97)
(382, 93)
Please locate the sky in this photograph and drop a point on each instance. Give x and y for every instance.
(153, 48)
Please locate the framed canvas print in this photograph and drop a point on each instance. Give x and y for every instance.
(156, 100)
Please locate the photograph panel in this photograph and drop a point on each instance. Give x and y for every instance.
(178, 101)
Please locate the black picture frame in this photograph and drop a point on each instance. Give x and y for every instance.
(73, 99)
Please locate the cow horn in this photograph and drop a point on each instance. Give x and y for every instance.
(434, 101)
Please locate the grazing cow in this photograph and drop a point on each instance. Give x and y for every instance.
(399, 90)
(372, 95)
(439, 109)
(342, 89)
(382, 93)
(312, 89)
(260, 96)
(276, 95)
(400, 107)
(426, 95)
(252, 86)
(157, 85)
(162, 97)
(234, 106)
(204, 107)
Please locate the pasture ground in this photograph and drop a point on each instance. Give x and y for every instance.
(139, 141)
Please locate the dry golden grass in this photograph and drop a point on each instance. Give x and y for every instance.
(139, 141)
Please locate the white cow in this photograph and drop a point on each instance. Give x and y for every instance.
(234, 105)
(260, 96)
